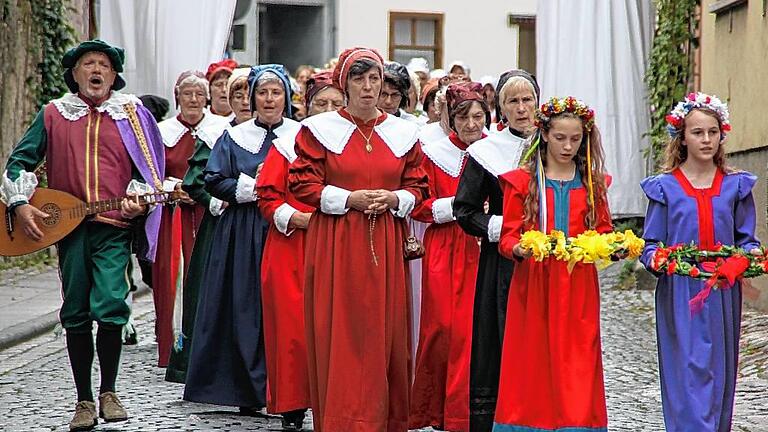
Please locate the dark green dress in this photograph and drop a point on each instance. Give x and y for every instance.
(194, 185)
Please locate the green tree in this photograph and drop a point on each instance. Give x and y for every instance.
(669, 70)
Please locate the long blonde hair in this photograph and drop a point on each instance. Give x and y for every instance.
(597, 156)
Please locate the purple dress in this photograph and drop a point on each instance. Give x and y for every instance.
(698, 353)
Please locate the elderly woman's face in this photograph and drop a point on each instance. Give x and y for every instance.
(432, 114)
(389, 98)
(240, 105)
(363, 90)
(270, 102)
(303, 76)
(469, 125)
(518, 106)
(191, 102)
(327, 99)
(219, 99)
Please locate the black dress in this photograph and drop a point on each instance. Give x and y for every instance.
(490, 157)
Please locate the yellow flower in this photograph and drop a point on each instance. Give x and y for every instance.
(633, 244)
(561, 248)
(537, 242)
(615, 237)
(590, 247)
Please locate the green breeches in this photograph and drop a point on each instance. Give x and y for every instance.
(93, 266)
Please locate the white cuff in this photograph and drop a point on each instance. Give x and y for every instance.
(406, 203)
(245, 191)
(494, 228)
(169, 184)
(214, 206)
(442, 210)
(282, 217)
(136, 187)
(333, 200)
(22, 189)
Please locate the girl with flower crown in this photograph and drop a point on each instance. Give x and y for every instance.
(551, 366)
(698, 199)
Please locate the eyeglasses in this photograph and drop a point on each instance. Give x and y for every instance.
(396, 97)
(192, 95)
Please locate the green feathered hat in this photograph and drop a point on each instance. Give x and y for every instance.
(116, 56)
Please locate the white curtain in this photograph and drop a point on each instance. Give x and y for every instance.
(597, 51)
(163, 38)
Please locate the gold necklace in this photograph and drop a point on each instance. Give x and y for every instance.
(368, 146)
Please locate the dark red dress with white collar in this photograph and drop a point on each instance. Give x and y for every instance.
(440, 395)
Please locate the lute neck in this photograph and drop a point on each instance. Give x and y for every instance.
(114, 203)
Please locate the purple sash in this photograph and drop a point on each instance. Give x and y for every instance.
(157, 152)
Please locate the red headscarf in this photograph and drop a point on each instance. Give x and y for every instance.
(462, 92)
(350, 56)
(319, 81)
(227, 64)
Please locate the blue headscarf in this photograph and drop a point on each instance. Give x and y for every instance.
(281, 72)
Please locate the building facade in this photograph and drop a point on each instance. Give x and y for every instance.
(734, 43)
(295, 32)
(443, 31)
(289, 32)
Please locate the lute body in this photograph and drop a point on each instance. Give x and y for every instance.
(65, 212)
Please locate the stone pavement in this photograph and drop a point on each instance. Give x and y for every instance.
(29, 304)
(36, 389)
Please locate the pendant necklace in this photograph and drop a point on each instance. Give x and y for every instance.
(368, 146)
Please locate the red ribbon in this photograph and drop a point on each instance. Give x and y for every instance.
(729, 269)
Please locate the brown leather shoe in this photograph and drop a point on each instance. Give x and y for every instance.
(110, 408)
(85, 417)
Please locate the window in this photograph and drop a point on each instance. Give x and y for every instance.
(238, 37)
(416, 35)
(721, 6)
(526, 40)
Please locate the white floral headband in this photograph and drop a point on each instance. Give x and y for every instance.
(676, 117)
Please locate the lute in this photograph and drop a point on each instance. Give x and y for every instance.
(65, 212)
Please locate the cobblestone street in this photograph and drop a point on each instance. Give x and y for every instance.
(36, 389)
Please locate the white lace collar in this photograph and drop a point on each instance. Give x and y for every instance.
(250, 137)
(445, 155)
(211, 133)
(333, 131)
(499, 152)
(431, 132)
(72, 108)
(172, 129)
(286, 144)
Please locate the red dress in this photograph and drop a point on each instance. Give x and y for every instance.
(440, 395)
(176, 237)
(357, 311)
(282, 282)
(551, 365)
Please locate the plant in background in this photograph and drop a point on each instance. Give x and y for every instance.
(54, 36)
(669, 69)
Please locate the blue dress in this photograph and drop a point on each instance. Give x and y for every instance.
(227, 365)
(698, 352)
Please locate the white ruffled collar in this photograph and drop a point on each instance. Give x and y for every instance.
(72, 108)
(446, 156)
(250, 137)
(333, 131)
(172, 129)
(499, 152)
